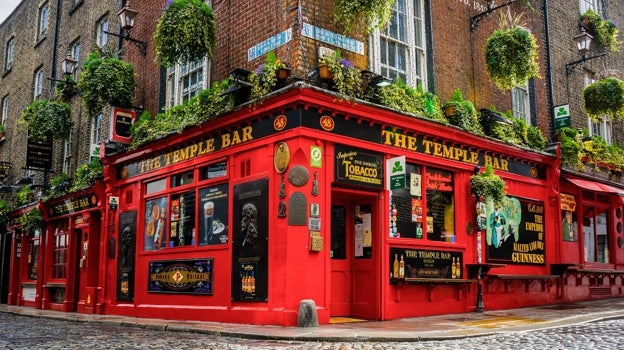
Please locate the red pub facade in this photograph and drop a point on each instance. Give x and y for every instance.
(366, 211)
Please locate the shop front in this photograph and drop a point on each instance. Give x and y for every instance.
(367, 212)
(592, 236)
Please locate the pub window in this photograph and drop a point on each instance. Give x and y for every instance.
(194, 217)
(182, 179)
(33, 256)
(424, 208)
(595, 242)
(59, 257)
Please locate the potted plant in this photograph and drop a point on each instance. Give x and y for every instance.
(106, 80)
(488, 185)
(570, 149)
(265, 78)
(462, 113)
(605, 31)
(346, 78)
(185, 32)
(46, 118)
(24, 196)
(373, 14)
(31, 220)
(511, 54)
(604, 97)
(402, 97)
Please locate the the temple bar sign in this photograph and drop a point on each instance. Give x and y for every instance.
(121, 121)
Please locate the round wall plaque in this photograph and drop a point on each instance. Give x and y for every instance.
(298, 175)
(282, 157)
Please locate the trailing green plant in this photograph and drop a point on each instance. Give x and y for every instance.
(535, 138)
(59, 185)
(87, 174)
(462, 113)
(605, 31)
(404, 98)
(186, 32)
(106, 80)
(5, 209)
(346, 77)
(24, 196)
(372, 14)
(31, 220)
(570, 148)
(486, 184)
(46, 118)
(511, 54)
(205, 106)
(604, 97)
(264, 79)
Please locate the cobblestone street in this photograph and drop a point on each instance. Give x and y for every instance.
(23, 332)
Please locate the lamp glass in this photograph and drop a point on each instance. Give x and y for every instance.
(126, 16)
(583, 42)
(68, 64)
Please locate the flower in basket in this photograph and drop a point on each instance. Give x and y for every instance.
(264, 78)
(346, 77)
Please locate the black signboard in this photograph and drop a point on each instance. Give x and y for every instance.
(181, 276)
(39, 153)
(72, 205)
(250, 241)
(358, 167)
(5, 167)
(514, 232)
(424, 263)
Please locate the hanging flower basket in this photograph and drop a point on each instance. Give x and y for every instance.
(372, 14)
(511, 54)
(488, 185)
(48, 119)
(604, 97)
(324, 72)
(185, 32)
(606, 32)
(106, 80)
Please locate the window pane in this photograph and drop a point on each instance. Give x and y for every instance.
(440, 221)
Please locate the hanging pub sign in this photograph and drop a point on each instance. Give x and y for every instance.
(121, 121)
(39, 153)
(358, 167)
(515, 231)
(4, 170)
(181, 276)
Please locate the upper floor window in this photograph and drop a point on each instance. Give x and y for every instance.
(102, 32)
(96, 135)
(185, 81)
(74, 51)
(39, 78)
(67, 154)
(8, 55)
(5, 109)
(44, 11)
(594, 5)
(399, 51)
(520, 103)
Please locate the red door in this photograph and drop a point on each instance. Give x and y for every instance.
(354, 231)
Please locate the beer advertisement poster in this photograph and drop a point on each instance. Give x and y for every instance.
(515, 231)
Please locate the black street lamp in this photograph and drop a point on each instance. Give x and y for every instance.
(126, 18)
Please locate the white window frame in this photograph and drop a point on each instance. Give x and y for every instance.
(44, 14)
(75, 54)
(9, 53)
(175, 81)
(96, 134)
(414, 44)
(5, 109)
(101, 38)
(38, 88)
(520, 105)
(594, 5)
(67, 153)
